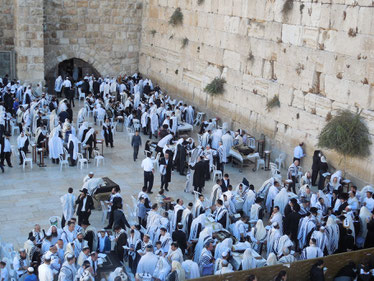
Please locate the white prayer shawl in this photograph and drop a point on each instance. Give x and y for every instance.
(176, 209)
(27, 93)
(154, 122)
(194, 226)
(196, 208)
(147, 263)
(220, 212)
(205, 235)
(225, 245)
(52, 120)
(287, 259)
(205, 139)
(92, 184)
(62, 106)
(254, 212)
(58, 84)
(281, 200)
(322, 241)
(239, 228)
(284, 242)
(174, 126)
(189, 115)
(311, 252)
(55, 145)
(82, 128)
(45, 272)
(186, 213)
(218, 266)
(82, 115)
(176, 255)
(191, 268)
(68, 204)
(73, 139)
(88, 135)
(248, 202)
(332, 232)
(216, 138)
(260, 231)
(272, 239)
(271, 260)
(216, 194)
(264, 189)
(273, 191)
(277, 217)
(228, 142)
(153, 219)
(248, 261)
(144, 119)
(306, 225)
(365, 215)
(162, 269)
(165, 242)
(224, 270)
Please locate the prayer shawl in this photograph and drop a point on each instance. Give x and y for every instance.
(55, 144)
(284, 242)
(92, 184)
(277, 217)
(306, 225)
(311, 252)
(248, 202)
(227, 141)
(287, 259)
(163, 268)
(197, 207)
(190, 115)
(272, 239)
(68, 204)
(281, 200)
(365, 215)
(248, 261)
(222, 247)
(205, 235)
(271, 260)
(260, 231)
(263, 191)
(216, 194)
(322, 241)
(165, 242)
(200, 220)
(52, 120)
(273, 191)
(185, 215)
(88, 135)
(191, 268)
(177, 208)
(58, 84)
(21, 141)
(81, 115)
(176, 255)
(216, 137)
(73, 140)
(255, 210)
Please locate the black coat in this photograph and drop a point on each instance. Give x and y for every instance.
(224, 186)
(199, 175)
(96, 87)
(369, 241)
(316, 160)
(180, 237)
(169, 168)
(316, 274)
(119, 218)
(89, 204)
(292, 224)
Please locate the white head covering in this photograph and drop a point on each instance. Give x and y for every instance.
(271, 260)
(248, 261)
(180, 271)
(260, 231)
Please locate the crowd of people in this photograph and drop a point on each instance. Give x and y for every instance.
(234, 226)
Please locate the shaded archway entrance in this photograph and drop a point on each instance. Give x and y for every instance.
(74, 67)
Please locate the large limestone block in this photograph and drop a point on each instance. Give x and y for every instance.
(298, 99)
(344, 17)
(359, 94)
(310, 37)
(366, 20)
(231, 24)
(231, 59)
(211, 54)
(336, 89)
(292, 34)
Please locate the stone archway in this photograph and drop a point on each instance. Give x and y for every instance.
(74, 67)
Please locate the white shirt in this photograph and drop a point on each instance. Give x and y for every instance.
(84, 204)
(67, 83)
(369, 203)
(165, 140)
(298, 152)
(7, 147)
(4, 274)
(147, 164)
(45, 272)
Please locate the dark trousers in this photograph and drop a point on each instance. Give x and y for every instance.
(314, 177)
(164, 182)
(293, 184)
(197, 188)
(142, 222)
(20, 155)
(7, 156)
(136, 150)
(83, 217)
(148, 180)
(63, 221)
(220, 166)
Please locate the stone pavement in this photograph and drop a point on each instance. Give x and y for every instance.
(33, 196)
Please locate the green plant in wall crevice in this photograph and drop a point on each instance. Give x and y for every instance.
(216, 87)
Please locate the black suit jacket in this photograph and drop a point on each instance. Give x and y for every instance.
(225, 186)
(89, 204)
(169, 168)
(180, 237)
(119, 218)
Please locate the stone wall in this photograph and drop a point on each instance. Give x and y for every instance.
(28, 39)
(104, 33)
(318, 57)
(7, 25)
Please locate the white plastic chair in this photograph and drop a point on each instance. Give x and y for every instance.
(14, 151)
(105, 210)
(280, 160)
(98, 158)
(25, 160)
(199, 118)
(66, 153)
(81, 95)
(274, 171)
(81, 161)
(216, 173)
(14, 128)
(260, 162)
(114, 128)
(252, 143)
(63, 162)
(89, 111)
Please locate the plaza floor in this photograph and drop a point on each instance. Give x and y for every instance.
(33, 195)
